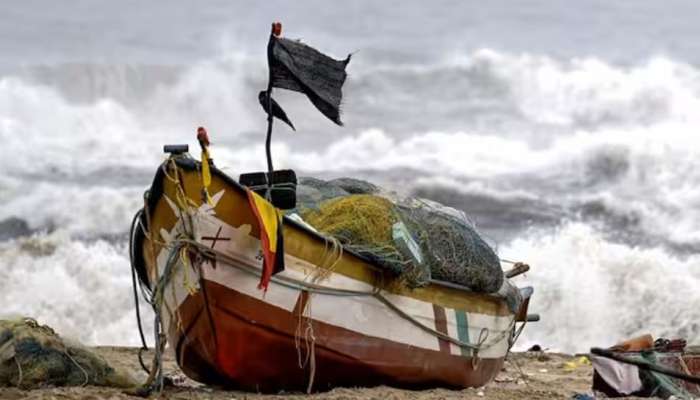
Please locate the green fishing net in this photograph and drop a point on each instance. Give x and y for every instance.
(438, 243)
(33, 355)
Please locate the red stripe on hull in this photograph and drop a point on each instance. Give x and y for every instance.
(441, 326)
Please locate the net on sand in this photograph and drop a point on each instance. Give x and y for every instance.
(33, 355)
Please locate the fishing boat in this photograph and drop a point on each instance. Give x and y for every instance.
(330, 319)
(288, 308)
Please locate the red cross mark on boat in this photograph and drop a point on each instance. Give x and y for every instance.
(215, 239)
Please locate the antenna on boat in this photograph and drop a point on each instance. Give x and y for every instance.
(276, 31)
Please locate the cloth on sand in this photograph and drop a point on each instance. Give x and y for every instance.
(624, 378)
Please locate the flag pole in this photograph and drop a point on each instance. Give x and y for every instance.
(275, 31)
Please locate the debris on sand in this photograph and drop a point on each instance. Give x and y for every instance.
(644, 367)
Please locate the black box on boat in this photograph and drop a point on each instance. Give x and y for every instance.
(283, 188)
(176, 149)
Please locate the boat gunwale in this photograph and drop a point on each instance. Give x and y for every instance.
(187, 162)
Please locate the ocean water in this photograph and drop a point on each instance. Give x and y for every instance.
(569, 133)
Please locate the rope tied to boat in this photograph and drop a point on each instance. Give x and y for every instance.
(183, 248)
(376, 292)
(333, 253)
(156, 298)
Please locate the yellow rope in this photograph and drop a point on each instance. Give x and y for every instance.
(20, 377)
(87, 377)
(371, 225)
(322, 272)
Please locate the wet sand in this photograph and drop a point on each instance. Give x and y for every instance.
(524, 376)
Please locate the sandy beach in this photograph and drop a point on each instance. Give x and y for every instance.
(524, 376)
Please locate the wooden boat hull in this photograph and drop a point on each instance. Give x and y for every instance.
(262, 355)
(361, 328)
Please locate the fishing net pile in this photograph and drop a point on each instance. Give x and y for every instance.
(414, 238)
(33, 355)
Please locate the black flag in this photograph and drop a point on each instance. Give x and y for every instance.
(296, 66)
(277, 110)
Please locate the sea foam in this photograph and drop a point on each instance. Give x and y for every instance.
(602, 160)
